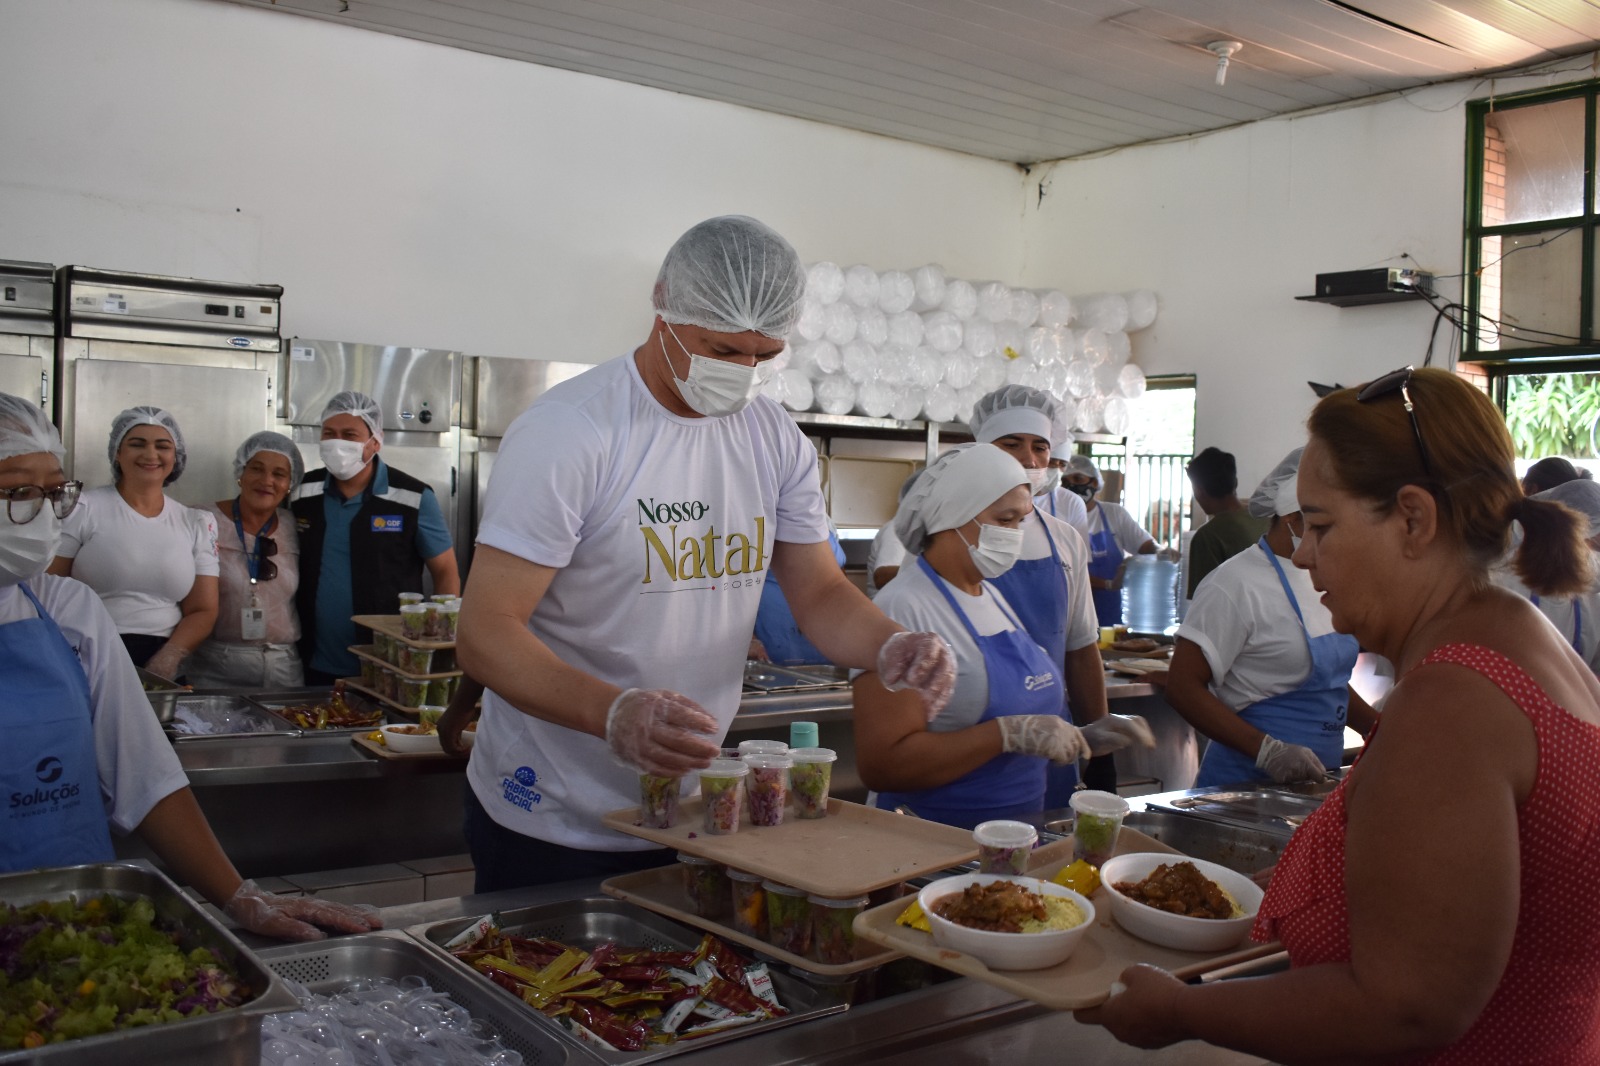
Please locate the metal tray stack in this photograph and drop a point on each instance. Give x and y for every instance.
(230, 1036)
(215, 716)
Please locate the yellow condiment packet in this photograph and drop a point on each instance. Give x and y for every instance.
(376, 736)
(914, 917)
(1080, 877)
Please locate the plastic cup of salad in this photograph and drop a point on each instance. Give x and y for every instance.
(1097, 822)
(411, 692)
(415, 660)
(389, 684)
(369, 673)
(658, 801)
(449, 619)
(706, 883)
(762, 747)
(722, 789)
(767, 788)
(749, 902)
(1004, 846)
(430, 713)
(788, 918)
(383, 646)
(414, 621)
(431, 623)
(443, 597)
(809, 780)
(407, 598)
(833, 936)
(440, 691)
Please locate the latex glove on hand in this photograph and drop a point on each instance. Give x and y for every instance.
(296, 917)
(1117, 731)
(660, 732)
(168, 662)
(1042, 734)
(1289, 762)
(921, 661)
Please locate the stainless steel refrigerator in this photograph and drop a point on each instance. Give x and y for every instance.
(27, 330)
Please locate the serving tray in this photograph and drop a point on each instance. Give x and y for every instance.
(370, 652)
(853, 851)
(383, 751)
(1084, 979)
(389, 625)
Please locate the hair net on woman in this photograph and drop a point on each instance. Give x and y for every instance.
(268, 441)
(1062, 451)
(1084, 466)
(364, 407)
(731, 274)
(1278, 493)
(953, 490)
(1018, 409)
(24, 430)
(146, 415)
(1579, 495)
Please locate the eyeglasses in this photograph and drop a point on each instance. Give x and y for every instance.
(267, 548)
(1399, 381)
(24, 503)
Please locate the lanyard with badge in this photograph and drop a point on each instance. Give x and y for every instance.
(252, 619)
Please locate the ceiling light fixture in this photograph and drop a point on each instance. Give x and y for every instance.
(1224, 51)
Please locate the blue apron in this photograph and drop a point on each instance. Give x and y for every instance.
(1312, 715)
(776, 627)
(1105, 559)
(1037, 591)
(1577, 622)
(1022, 680)
(54, 815)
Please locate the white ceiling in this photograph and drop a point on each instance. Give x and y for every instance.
(1014, 80)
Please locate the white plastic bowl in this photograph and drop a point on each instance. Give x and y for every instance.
(1005, 951)
(409, 743)
(1177, 930)
(469, 736)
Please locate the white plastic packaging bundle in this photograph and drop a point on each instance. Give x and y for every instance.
(927, 368)
(1093, 346)
(1142, 308)
(841, 323)
(1066, 344)
(1044, 344)
(835, 394)
(813, 320)
(1021, 371)
(1121, 349)
(798, 394)
(1105, 378)
(941, 404)
(907, 404)
(1009, 339)
(875, 399)
(776, 388)
(861, 286)
(1080, 378)
(978, 338)
(1055, 308)
(872, 326)
(1116, 416)
(1069, 408)
(860, 361)
(896, 291)
(992, 373)
(1130, 382)
(994, 301)
(825, 359)
(905, 328)
(783, 359)
(894, 364)
(967, 399)
(1024, 308)
(960, 299)
(941, 330)
(1091, 414)
(960, 369)
(930, 286)
(1103, 310)
(825, 281)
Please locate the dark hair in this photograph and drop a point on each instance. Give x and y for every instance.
(1371, 452)
(1548, 473)
(1214, 472)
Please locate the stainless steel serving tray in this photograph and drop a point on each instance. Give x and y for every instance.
(230, 1036)
(273, 704)
(768, 677)
(1262, 807)
(214, 717)
(160, 692)
(588, 923)
(325, 966)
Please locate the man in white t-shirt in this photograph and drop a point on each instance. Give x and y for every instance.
(633, 515)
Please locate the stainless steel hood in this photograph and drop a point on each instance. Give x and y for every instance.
(151, 309)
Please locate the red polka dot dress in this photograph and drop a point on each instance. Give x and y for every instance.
(1546, 1009)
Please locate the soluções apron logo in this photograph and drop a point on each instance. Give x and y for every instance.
(49, 770)
(672, 556)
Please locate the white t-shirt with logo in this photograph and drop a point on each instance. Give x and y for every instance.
(662, 529)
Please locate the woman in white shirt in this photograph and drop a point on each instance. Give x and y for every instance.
(253, 644)
(152, 560)
(984, 755)
(1113, 535)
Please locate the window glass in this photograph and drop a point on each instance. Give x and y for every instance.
(1533, 163)
(1529, 289)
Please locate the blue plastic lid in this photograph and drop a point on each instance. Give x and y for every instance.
(802, 734)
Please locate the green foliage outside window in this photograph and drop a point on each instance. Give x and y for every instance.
(1553, 414)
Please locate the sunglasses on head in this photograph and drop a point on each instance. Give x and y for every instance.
(1399, 381)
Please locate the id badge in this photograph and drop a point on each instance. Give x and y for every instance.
(252, 623)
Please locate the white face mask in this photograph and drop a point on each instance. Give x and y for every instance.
(343, 458)
(716, 388)
(996, 551)
(1043, 481)
(27, 549)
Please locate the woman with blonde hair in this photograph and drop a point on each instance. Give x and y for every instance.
(1443, 894)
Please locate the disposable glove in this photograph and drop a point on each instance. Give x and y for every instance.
(660, 732)
(296, 917)
(1289, 762)
(921, 661)
(1042, 734)
(1117, 731)
(167, 662)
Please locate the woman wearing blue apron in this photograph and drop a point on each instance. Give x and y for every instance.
(1113, 534)
(84, 749)
(984, 755)
(1258, 668)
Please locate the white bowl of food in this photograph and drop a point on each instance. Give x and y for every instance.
(411, 739)
(469, 734)
(1043, 937)
(1182, 910)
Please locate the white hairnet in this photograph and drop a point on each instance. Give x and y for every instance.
(268, 441)
(1280, 488)
(953, 491)
(1581, 495)
(1082, 464)
(145, 415)
(731, 274)
(364, 407)
(24, 430)
(1017, 409)
(1062, 452)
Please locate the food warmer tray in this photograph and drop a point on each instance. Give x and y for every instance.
(769, 678)
(274, 703)
(325, 966)
(588, 923)
(160, 692)
(232, 1036)
(215, 717)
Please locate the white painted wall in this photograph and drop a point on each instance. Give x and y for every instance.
(408, 193)
(1228, 228)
